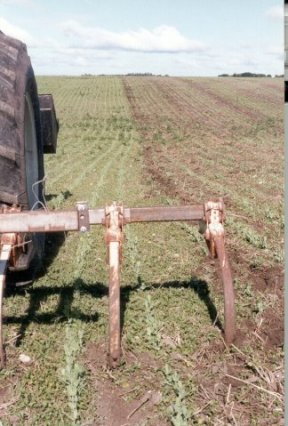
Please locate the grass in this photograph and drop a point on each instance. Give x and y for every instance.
(172, 302)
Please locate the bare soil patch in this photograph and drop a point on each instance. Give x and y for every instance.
(129, 402)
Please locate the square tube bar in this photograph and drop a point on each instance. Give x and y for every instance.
(54, 221)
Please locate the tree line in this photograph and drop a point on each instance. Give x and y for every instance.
(250, 74)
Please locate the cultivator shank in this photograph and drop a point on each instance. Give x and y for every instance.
(214, 235)
(114, 240)
(15, 224)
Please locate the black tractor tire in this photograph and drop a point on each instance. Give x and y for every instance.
(21, 150)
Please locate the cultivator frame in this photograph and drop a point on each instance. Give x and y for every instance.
(14, 225)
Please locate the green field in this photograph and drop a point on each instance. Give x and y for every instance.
(147, 142)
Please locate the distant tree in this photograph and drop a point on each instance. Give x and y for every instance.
(140, 74)
(245, 74)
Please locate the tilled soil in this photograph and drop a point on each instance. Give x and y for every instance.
(221, 137)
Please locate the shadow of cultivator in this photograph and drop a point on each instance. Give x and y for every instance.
(28, 130)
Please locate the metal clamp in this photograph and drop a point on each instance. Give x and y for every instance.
(83, 216)
(114, 222)
(214, 218)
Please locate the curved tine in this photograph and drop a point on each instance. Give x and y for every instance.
(229, 298)
(4, 259)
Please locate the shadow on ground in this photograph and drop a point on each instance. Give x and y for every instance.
(66, 294)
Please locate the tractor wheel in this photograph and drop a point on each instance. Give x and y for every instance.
(21, 151)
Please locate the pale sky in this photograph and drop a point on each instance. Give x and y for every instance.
(179, 37)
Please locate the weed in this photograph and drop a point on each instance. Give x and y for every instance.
(73, 373)
(193, 231)
(178, 412)
(255, 239)
(131, 250)
(278, 255)
(158, 137)
(153, 325)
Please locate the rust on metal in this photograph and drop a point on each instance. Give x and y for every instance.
(83, 216)
(214, 235)
(114, 222)
(114, 240)
(17, 240)
(214, 217)
(44, 221)
(163, 214)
